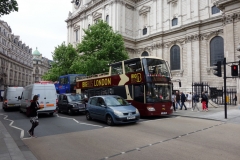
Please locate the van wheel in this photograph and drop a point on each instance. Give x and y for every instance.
(70, 112)
(109, 120)
(20, 111)
(88, 117)
(50, 114)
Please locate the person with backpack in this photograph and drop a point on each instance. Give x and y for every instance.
(195, 102)
(183, 99)
(204, 102)
(33, 115)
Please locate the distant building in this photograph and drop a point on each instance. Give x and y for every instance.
(191, 35)
(15, 59)
(40, 66)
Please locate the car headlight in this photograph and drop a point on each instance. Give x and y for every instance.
(74, 105)
(137, 112)
(117, 113)
(151, 108)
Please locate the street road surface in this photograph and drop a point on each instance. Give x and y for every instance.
(63, 137)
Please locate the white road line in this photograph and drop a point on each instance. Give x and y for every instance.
(22, 131)
(123, 152)
(79, 122)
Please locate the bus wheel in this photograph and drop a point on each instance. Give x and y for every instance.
(88, 117)
(70, 112)
(109, 120)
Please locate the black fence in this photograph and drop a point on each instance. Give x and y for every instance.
(216, 93)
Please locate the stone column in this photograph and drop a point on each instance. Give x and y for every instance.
(196, 60)
(189, 66)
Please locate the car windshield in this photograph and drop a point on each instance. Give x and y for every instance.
(115, 101)
(75, 97)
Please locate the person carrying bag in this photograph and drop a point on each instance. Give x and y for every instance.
(32, 113)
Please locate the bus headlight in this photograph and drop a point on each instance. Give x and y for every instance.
(117, 113)
(151, 108)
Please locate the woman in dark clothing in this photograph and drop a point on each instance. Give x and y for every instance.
(33, 115)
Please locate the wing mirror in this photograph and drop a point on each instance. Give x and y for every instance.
(103, 106)
(19, 97)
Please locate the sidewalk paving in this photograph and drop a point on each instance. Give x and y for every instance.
(213, 113)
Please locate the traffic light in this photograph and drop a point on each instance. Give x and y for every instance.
(218, 69)
(234, 69)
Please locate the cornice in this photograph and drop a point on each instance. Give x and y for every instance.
(221, 4)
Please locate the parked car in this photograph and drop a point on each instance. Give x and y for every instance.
(71, 103)
(10, 97)
(111, 109)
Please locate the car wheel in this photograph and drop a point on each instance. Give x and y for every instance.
(70, 112)
(109, 120)
(88, 117)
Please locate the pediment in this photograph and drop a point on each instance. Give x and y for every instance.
(144, 9)
(97, 15)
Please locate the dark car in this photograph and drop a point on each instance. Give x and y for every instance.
(111, 109)
(71, 103)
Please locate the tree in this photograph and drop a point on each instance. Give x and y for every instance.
(7, 6)
(100, 46)
(63, 57)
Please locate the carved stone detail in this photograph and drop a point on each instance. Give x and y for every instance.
(144, 10)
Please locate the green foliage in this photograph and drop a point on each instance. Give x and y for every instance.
(63, 57)
(7, 6)
(100, 46)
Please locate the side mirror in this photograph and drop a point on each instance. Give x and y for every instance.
(103, 106)
(19, 97)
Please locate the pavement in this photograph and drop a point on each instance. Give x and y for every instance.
(9, 150)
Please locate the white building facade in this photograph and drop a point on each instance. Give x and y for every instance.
(16, 64)
(191, 35)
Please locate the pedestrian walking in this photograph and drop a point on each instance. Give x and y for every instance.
(206, 93)
(33, 115)
(195, 102)
(189, 100)
(183, 99)
(204, 101)
(177, 100)
(173, 101)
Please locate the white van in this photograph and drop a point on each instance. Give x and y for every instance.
(10, 98)
(47, 97)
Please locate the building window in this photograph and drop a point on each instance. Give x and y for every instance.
(175, 57)
(216, 50)
(107, 19)
(76, 35)
(144, 31)
(215, 10)
(174, 22)
(145, 54)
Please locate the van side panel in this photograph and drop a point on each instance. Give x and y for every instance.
(11, 97)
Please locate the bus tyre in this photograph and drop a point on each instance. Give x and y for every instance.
(70, 112)
(88, 117)
(109, 120)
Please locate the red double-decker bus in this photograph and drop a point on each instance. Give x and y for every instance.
(145, 82)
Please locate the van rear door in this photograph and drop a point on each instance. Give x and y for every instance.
(50, 97)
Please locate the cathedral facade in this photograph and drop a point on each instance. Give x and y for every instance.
(192, 35)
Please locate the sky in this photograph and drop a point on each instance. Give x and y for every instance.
(40, 23)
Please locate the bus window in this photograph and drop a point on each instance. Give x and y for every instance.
(132, 66)
(61, 81)
(139, 93)
(117, 69)
(158, 92)
(65, 80)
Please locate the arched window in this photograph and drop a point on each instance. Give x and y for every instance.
(174, 22)
(216, 50)
(144, 31)
(175, 57)
(107, 19)
(145, 54)
(215, 10)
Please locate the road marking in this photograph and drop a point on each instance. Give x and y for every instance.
(79, 122)
(22, 131)
(174, 138)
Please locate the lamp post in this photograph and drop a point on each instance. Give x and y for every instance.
(238, 81)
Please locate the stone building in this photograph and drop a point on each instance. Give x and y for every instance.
(40, 66)
(191, 35)
(15, 59)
